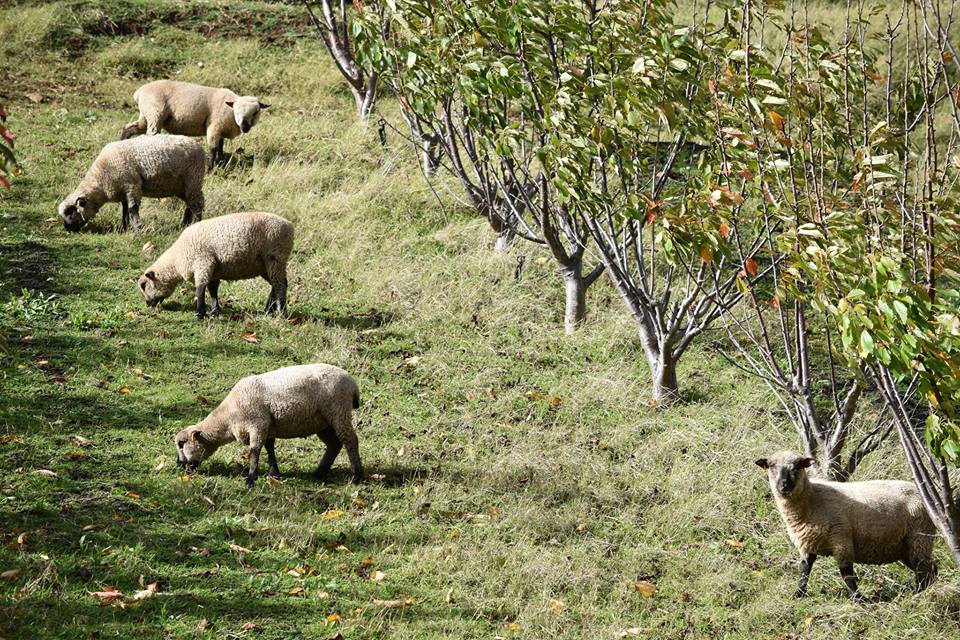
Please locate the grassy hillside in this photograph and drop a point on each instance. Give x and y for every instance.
(520, 484)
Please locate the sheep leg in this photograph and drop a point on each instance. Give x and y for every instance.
(330, 439)
(353, 450)
(806, 564)
(187, 219)
(214, 312)
(254, 465)
(125, 219)
(850, 579)
(273, 471)
(220, 154)
(201, 301)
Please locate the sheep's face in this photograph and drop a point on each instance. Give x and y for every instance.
(77, 211)
(787, 472)
(192, 448)
(154, 291)
(246, 111)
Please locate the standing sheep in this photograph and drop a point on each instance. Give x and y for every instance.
(194, 110)
(873, 522)
(232, 247)
(292, 402)
(128, 170)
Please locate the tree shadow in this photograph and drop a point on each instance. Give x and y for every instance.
(30, 265)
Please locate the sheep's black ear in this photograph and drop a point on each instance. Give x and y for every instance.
(229, 103)
(151, 275)
(264, 106)
(81, 202)
(762, 463)
(199, 437)
(806, 462)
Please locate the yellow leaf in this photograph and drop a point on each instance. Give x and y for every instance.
(123, 390)
(645, 587)
(512, 626)
(733, 542)
(557, 606)
(393, 604)
(706, 253)
(331, 514)
(632, 632)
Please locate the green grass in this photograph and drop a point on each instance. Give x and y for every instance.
(486, 505)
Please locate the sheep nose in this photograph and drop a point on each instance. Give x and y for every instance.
(245, 127)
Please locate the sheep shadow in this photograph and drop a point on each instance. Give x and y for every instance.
(389, 477)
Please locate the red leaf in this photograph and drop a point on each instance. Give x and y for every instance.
(750, 266)
(724, 230)
(250, 336)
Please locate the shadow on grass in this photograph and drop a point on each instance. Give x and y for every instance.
(29, 265)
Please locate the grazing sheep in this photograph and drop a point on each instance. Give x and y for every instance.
(232, 247)
(128, 170)
(292, 402)
(873, 522)
(194, 110)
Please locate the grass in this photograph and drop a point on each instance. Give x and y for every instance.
(489, 513)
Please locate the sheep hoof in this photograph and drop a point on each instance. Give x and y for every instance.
(250, 482)
(800, 593)
(274, 474)
(357, 478)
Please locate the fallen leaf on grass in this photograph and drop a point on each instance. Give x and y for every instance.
(202, 400)
(377, 476)
(238, 548)
(539, 395)
(393, 604)
(148, 592)
(645, 587)
(80, 441)
(557, 606)
(296, 591)
(46, 472)
(52, 220)
(161, 463)
(35, 98)
(148, 246)
(131, 494)
(512, 626)
(250, 336)
(123, 390)
(19, 543)
(73, 455)
(10, 437)
(632, 632)
(248, 626)
(331, 514)
(203, 624)
(333, 617)
(377, 576)
(107, 596)
(733, 542)
(10, 575)
(92, 527)
(131, 314)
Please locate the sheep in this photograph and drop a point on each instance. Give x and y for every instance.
(193, 110)
(127, 170)
(292, 402)
(873, 522)
(237, 246)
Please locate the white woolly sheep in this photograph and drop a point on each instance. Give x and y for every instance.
(128, 170)
(231, 247)
(292, 402)
(194, 110)
(873, 522)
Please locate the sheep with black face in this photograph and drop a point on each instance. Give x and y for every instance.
(872, 522)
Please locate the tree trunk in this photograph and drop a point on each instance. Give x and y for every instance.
(665, 389)
(505, 236)
(576, 287)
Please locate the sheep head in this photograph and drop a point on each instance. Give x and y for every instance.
(192, 447)
(246, 111)
(154, 288)
(76, 211)
(787, 472)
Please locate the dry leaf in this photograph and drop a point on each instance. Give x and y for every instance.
(645, 587)
(412, 361)
(148, 246)
(202, 400)
(512, 626)
(81, 441)
(162, 462)
(46, 472)
(131, 314)
(10, 437)
(377, 576)
(238, 548)
(489, 391)
(331, 514)
(250, 336)
(149, 592)
(248, 626)
(733, 542)
(632, 632)
(19, 542)
(377, 476)
(393, 604)
(107, 595)
(52, 219)
(203, 624)
(296, 591)
(751, 267)
(333, 617)
(10, 575)
(131, 494)
(92, 527)
(35, 97)
(123, 390)
(557, 606)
